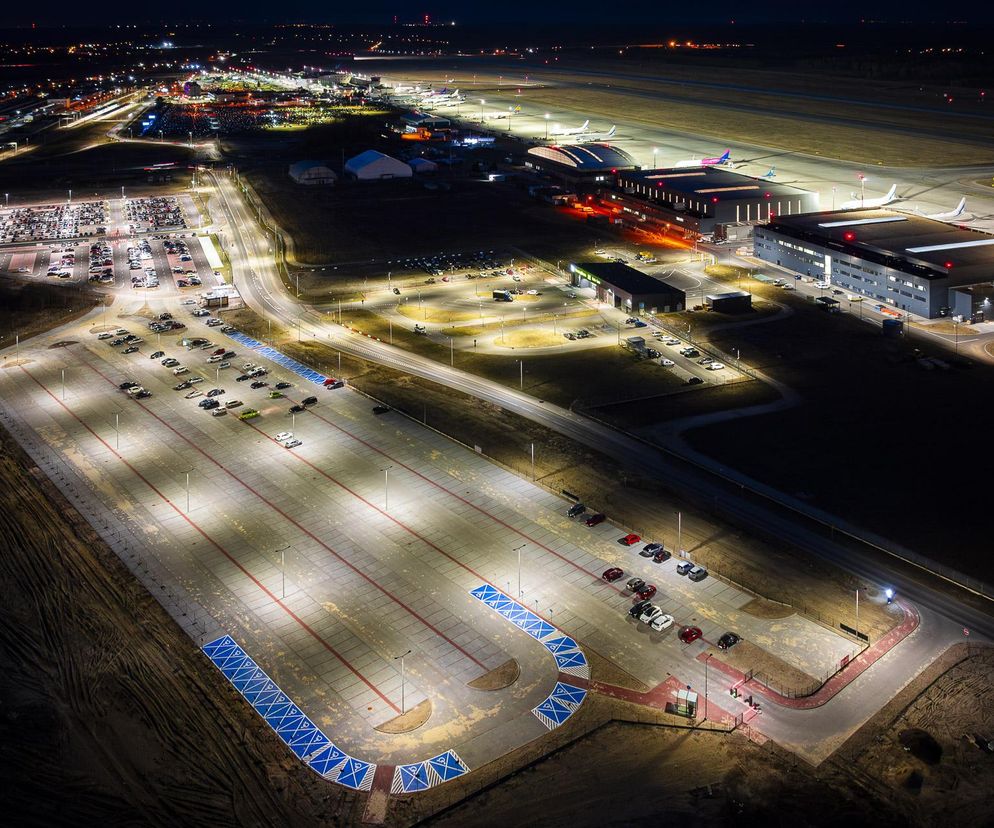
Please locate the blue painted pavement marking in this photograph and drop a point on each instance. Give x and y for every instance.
(420, 776)
(280, 358)
(296, 730)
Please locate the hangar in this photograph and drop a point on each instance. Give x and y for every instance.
(576, 164)
(312, 172)
(699, 199)
(909, 262)
(375, 166)
(625, 287)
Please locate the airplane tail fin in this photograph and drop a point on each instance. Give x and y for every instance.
(725, 156)
(891, 193)
(960, 207)
(611, 131)
(585, 124)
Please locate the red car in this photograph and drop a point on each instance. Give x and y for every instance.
(219, 351)
(688, 635)
(593, 520)
(331, 382)
(613, 574)
(629, 540)
(646, 592)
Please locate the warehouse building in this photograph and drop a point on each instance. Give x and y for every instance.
(621, 286)
(911, 263)
(734, 301)
(591, 164)
(700, 200)
(312, 172)
(375, 166)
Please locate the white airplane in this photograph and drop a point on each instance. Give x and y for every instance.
(956, 212)
(589, 137)
(572, 131)
(495, 116)
(770, 173)
(869, 203)
(718, 161)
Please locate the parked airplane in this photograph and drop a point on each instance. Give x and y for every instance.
(868, 203)
(956, 212)
(590, 137)
(770, 173)
(572, 131)
(721, 160)
(494, 116)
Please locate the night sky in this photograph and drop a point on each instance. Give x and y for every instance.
(111, 12)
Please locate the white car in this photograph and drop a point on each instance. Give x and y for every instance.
(661, 621)
(531, 292)
(715, 366)
(672, 341)
(667, 362)
(853, 298)
(180, 370)
(650, 614)
(283, 435)
(822, 285)
(195, 380)
(215, 358)
(292, 444)
(105, 335)
(188, 302)
(192, 394)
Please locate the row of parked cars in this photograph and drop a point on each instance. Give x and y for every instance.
(101, 263)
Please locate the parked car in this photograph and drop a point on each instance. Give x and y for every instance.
(635, 584)
(379, 409)
(259, 384)
(637, 607)
(647, 592)
(661, 622)
(688, 635)
(667, 363)
(219, 412)
(728, 640)
(209, 404)
(698, 573)
(661, 555)
(130, 349)
(297, 409)
(695, 381)
(191, 394)
(716, 366)
(248, 414)
(331, 382)
(292, 443)
(575, 510)
(281, 385)
(233, 403)
(630, 539)
(650, 613)
(613, 574)
(157, 355)
(215, 392)
(593, 520)
(684, 567)
(309, 401)
(650, 549)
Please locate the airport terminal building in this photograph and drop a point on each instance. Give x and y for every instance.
(911, 263)
(581, 164)
(621, 286)
(700, 200)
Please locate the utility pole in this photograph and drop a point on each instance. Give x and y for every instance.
(283, 568)
(706, 660)
(533, 461)
(386, 488)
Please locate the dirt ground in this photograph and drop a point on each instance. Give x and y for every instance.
(363, 222)
(28, 308)
(864, 456)
(923, 752)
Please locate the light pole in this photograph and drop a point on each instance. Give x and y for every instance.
(402, 699)
(63, 384)
(834, 188)
(546, 126)
(862, 184)
(6, 199)
(654, 151)
(706, 685)
(521, 382)
(482, 102)
(283, 569)
(70, 195)
(956, 336)
(117, 430)
(518, 550)
(857, 612)
(386, 488)
(188, 492)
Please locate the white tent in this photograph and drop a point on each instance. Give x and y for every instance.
(423, 165)
(312, 172)
(375, 166)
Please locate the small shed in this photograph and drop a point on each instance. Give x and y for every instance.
(735, 301)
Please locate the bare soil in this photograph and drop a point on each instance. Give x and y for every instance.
(500, 677)
(411, 720)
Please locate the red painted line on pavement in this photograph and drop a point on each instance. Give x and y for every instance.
(213, 542)
(289, 519)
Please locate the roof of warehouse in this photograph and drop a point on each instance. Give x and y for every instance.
(965, 256)
(585, 157)
(628, 279)
(708, 182)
